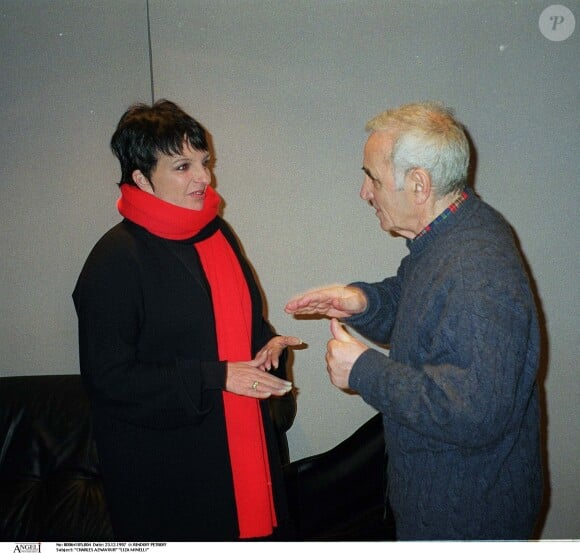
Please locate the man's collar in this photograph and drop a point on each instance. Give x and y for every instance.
(449, 210)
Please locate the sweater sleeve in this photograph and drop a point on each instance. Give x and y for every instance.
(376, 322)
(464, 361)
(162, 393)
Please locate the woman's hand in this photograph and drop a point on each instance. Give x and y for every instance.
(251, 379)
(274, 348)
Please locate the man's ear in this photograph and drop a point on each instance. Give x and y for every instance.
(142, 181)
(422, 186)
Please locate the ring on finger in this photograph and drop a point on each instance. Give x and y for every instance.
(255, 385)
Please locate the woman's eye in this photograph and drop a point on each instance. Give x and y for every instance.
(183, 167)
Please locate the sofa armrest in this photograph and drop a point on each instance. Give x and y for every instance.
(339, 495)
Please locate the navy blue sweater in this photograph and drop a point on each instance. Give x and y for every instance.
(458, 389)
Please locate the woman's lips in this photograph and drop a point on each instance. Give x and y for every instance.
(199, 193)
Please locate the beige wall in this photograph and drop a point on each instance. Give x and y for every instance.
(285, 88)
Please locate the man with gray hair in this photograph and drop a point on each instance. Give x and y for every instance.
(457, 390)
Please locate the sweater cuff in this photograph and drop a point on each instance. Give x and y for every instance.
(194, 382)
(213, 379)
(361, 319)
(206, 376)
(366, 361)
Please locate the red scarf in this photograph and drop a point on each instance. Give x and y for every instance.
(233, 315)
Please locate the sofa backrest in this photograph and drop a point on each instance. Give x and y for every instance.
(50, 483)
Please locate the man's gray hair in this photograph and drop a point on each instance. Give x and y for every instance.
(427, 136)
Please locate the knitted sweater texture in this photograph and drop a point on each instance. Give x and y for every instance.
(457, 389)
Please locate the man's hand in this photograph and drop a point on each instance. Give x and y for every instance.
(333, 301)
(341, 353)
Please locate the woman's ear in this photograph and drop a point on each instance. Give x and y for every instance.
(422, 185)
(142, 181)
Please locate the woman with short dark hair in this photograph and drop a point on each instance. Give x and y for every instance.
(176, 355)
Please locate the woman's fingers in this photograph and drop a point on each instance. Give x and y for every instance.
(273, 349)
(248, 379)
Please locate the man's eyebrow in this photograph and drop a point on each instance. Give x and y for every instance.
(368, 173)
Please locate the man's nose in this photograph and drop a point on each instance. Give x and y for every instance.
(364, 192)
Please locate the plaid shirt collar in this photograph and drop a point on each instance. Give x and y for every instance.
(449, 211)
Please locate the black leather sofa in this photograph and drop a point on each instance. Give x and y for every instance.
(51, 487)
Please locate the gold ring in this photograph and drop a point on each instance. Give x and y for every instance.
(255, 385)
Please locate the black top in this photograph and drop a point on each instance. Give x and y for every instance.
(149, 362)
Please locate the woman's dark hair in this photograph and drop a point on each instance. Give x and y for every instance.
(144, 132)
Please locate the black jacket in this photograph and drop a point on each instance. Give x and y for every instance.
(149, 362)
